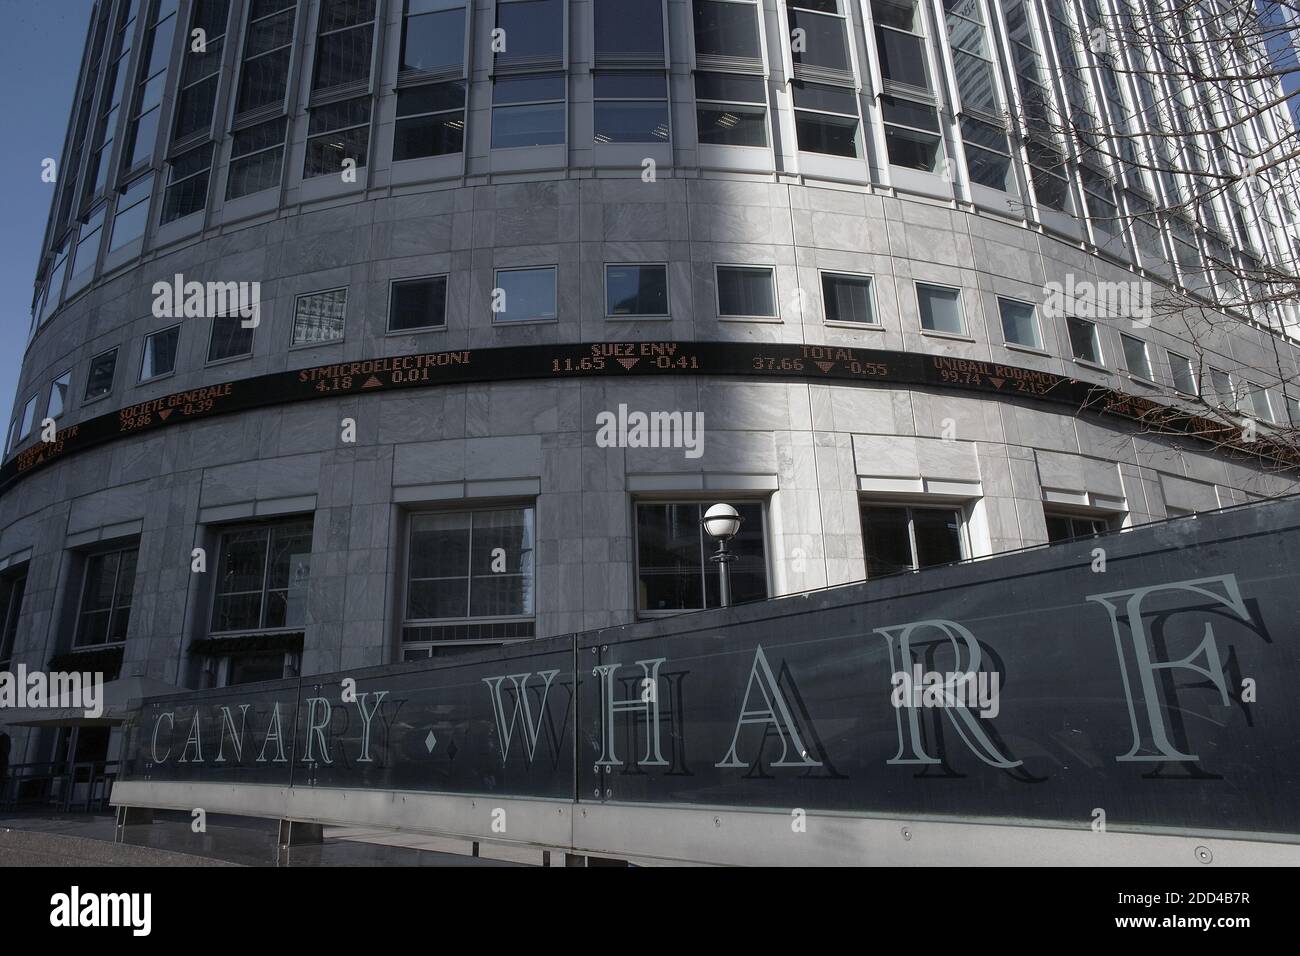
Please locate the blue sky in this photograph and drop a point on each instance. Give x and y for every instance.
(40, 51)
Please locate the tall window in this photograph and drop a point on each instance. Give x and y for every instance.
(1136, 359)
(256, 158)
(907, 103)
(1051, 187)
(116, 81)
(319, 317)
(1184, 376)
(984, 136)
(155, 55)
(268, 49)
(26, 421)
(1085, 344)
(54, 284)
(431, 116)
(1221, 391)
(344, 40)
(106, 591)
(201, 69)
(905, 538)
(262, 577)
(467, 571)
(673, 568)
(187, 183)
(12, 589)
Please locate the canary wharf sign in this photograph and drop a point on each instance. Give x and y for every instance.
(1150, 674)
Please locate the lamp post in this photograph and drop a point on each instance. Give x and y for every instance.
(721, 522)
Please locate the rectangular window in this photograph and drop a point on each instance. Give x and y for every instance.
(27, 421)
(900, 42)
(847, 298)
(54, 286)
(636, 290)
(746, 292)
(674, 572)
(106, 591)
(534, 31)
(132, 212)
(899, 538)
(1256, 402)
(187, 183)
(1180, 368)
(59, 390)
(731, 109)
(433, 36)
(1136, 359)
(940, 309)
(525, 295)
(988, 155)
(201, 69)
(155, 55)
(338, 132)
(99, 380)
(11, 608)
(466, 565)
(822, 35)
(262, 577)
(1019, 323)
(430, 121)
(1084, 342)
(230, 339)
(528, 110)
(911, 133)
(629, 27)
(343, 44)
(727, 28)
(630, 107)
(256, 159)
(160, 353)
(417, 304)
(87, 253)
(825, 118)
(1221, 392)
(318, 317)
(268, 51)
(1063, 527)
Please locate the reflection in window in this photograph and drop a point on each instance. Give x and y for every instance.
(105, 609)
(746, 292)
(465, 565)
(1136, 359)
(1085, 345)
(87, 252)
(132, 212)
(988, 152)
(27, 420)
(155, 55)
(256, 159)
(901, 538)
(59, 389)
(1019, 323)
(674, 572)
(430, 121)
(940, 308)
(187, 183)
(731, 109)
(631, 108)
(727, 28)
(526, 295)
(911, 133)
(634, 290)
(262, 577)
(822, 42)
(200, 70)
(534, 30)
(1221, 391)
(99, 379)
(12, 589)
(1180, 367)
(629, 27)
(337, 132)
(319, 317)
(433, 36)
(826, 118)
(417, 304)
(268, 50)
(528, 111)
(54, 286)
(343, 43)
(160, 353)
(229, 338)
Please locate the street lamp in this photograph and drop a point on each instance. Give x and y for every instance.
(721, 522)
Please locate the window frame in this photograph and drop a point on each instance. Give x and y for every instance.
(54, 383)
(86, 397)
(1040, 347)
(1111, 519)
(293, 326)
(962, 509)
(964, 334)
(388, 314)
(87, 558)
(144, 350)
(752, 107)
(668, 295)
(1191, 371)
(875, 322)
(1099, 362)
(532, 320)
(212, 332)
(270, 525)
(367, 125)
(400, 118)
(1147, 376)
(11, 581)
(752, 267)
(666, 100)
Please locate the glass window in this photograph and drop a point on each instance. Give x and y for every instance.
(132, 212)
(900, 42)
(1019, 323)
(847, 298)
(187, 183)
(262, 577)
(534, 29)
(433, 36)
(674, 572)
(256, 159)
(636, 290)
(940, 308)
(268, 50)
(99, 380)
(631, 108)
(200, 71)
(106, 591)
(337, 132)
(1084, 343)
(825, 118)
(470, 564)
(1135, 357)
(83, 260)
(11, 608)
(160, 353)
(822, 41)
(1221, 391)
(911, 133)
(727, 28)
(430, 121)
(900, 538)
(629, 27)
(524, 295)
(54, 287)
(988, 156)
(155, 55)
(343, 43)
(746, 291)
(27, 421)
(1180, 368)
(731, 109)
(59, 390)
(1063, 527)
(319, 317)
(417, 304)
(528, 111)
(1256, 402)
(230, 339)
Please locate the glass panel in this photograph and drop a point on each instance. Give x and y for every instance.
(1019, 324)
(726, 29)
(732, 125)
(1221, 392)
(902, 58)
(747, 572)
(938, 536)
(730, 88)
(229, 338)
(820, 133)
(99, 380)
(528, 294)
(240, 580)
(940, 309)
(343, 58)
(541, 125)
(1135, 356)
(823, 40)
(59, 395)
(625, 122)
(669, 558)
(1184, 377)
(1083, 340)
(886, 540)
(636, 290)
(320, 317)
(746, 291)
(160, 353)
(418, 304)
(533, 29)
(433, 41)
(629, 26)
(501, 563)
(847, 298)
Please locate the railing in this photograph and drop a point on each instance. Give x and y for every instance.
(55, 784)
(1134, 681)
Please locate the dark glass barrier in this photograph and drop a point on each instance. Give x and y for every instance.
(1148, 676)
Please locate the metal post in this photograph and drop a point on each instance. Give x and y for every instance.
(722, 559)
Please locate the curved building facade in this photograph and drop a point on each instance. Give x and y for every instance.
(370, 329)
